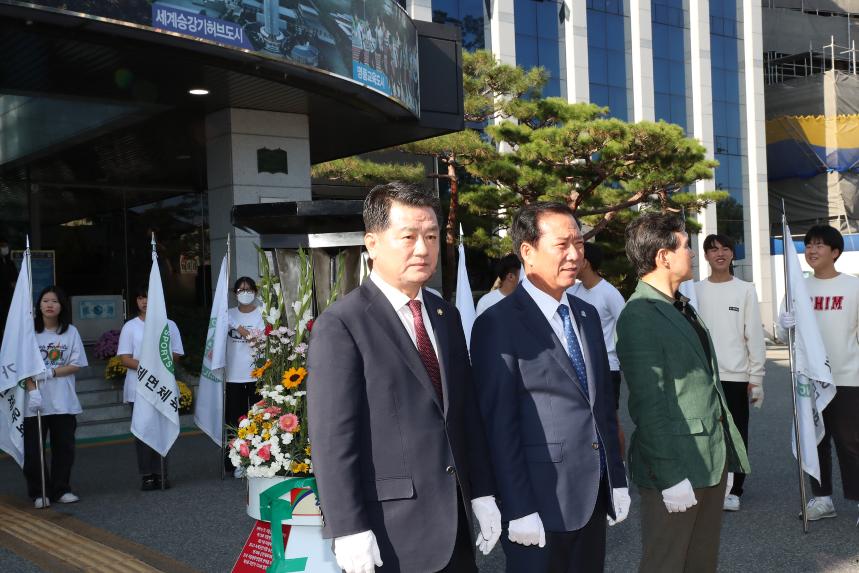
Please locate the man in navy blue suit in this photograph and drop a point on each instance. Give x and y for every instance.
(545, 392)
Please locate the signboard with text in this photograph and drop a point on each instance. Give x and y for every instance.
(256, 554)
(371, 42)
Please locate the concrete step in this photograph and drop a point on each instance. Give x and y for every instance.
(118, 428)
(105, 412)
(97, 384)
(111, 395)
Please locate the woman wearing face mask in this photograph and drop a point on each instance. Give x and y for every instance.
(63, 353)
(245, 322)
(128, 350)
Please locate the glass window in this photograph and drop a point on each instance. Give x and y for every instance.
(727, 123)
(669, 21)
(467, 14)
(607, 56)
(538, 42)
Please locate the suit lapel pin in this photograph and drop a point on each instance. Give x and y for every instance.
(440, 312)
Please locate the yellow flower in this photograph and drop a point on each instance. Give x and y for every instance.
(258, 372)
(114, 368)
(265, 435)
(266, 425)
(299, 468)
(293, 377)
(242, 433)
(307, 450)
(251, 428)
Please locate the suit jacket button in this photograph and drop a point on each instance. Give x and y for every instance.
(595, 446)
(721, 418)
(450, 470)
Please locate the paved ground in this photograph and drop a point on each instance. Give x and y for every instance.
(200, 523)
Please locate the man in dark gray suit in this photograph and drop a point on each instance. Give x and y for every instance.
(545, 391)
(399, 450)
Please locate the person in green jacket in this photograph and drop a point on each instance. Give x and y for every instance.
(685, 440)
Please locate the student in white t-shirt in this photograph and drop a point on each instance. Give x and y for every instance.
(507, 280)
(245, 322)
(608, 301)
(128, 350)
(63, 353)
(729, 308)
(835, 301)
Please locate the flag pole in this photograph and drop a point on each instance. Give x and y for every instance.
(36, 381)
(788, 305)
(224, 385)
(155, 262)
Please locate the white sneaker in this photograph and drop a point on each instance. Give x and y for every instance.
(41, 502)
(68, 498)
(239, 472)
(819, 508)
(732, 503)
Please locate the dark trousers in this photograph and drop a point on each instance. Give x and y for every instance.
(61, 429)
(840, 420)
(686, 542)
(579, 551)
(148, 460)
(737, 396)
(240, 397)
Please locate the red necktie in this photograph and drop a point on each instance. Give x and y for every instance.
(425, 349)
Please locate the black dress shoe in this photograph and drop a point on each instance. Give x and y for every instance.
(149, 483)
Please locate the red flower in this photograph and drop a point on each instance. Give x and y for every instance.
(268, 329)
(309, 325)
(242, 418)
(265, 452)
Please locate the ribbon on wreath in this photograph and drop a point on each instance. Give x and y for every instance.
(276, 511)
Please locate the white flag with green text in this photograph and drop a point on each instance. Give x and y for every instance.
(155, 420)
(209, 408)
(20, 358)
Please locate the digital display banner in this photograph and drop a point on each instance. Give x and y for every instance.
(372, 42)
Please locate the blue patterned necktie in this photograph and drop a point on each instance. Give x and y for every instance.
(573, 349)
(578, 360)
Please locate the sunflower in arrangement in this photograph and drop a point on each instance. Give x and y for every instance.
(271, 440)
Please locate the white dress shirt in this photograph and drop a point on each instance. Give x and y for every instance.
(400, 302)
(549, 307)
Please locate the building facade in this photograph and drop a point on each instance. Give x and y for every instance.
(695, 63)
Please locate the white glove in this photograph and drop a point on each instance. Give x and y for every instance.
(756, 395)
(620, 496)
(679, 497)
(786, 320)
(357, 553)
(527, 530)
(34, 402)
(486, 511)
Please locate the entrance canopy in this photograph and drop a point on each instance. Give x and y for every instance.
(69, 76)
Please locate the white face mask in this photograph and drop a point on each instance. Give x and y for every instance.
(4, 251)
(245, 297)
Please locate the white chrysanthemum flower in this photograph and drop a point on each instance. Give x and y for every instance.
(244, 423)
